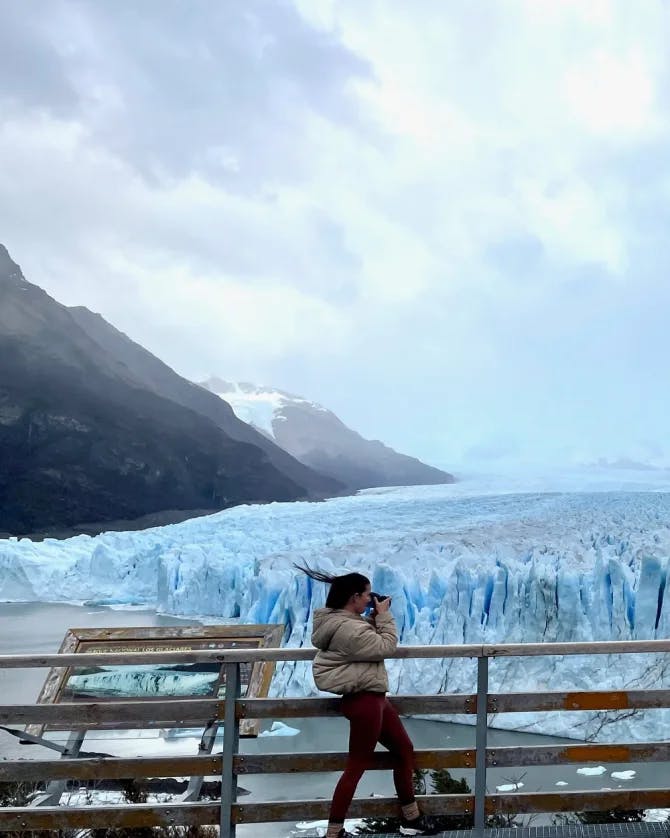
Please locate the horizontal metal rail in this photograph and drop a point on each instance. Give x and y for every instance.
(602, 647)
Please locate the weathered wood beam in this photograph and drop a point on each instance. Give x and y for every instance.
(616, 647)
(594, 700)
(578, 754)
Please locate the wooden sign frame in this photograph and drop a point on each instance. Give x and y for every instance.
(69, 685)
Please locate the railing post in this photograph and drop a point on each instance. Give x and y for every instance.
(480, 744)
(231, 739)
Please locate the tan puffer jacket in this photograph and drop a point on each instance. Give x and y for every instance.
(352, 650)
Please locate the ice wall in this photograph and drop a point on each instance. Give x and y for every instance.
(516, 568)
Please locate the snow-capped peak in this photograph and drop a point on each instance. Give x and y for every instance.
(256, 405)
(320, 440)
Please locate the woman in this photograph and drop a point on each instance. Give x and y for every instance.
(350, 662)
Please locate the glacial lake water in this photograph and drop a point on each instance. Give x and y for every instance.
(40, 627)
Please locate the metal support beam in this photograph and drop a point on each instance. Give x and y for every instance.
(231, 739)
(206, 746)
(54, 790)
(480, 755)
(29, 739)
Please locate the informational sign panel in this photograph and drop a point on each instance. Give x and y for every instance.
(159, 681)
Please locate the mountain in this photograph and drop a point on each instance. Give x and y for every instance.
(86, 434)
(154, 375)
(315, 436)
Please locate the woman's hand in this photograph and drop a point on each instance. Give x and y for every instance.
(381, 607)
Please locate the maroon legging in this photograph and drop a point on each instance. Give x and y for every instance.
(373, 719)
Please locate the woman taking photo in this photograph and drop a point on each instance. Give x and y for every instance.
(350, 663)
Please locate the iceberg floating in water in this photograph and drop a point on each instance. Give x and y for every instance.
(594, 771)
(623, 775)
(479, 569)
(280, 729)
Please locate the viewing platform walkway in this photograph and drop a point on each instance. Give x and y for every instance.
(45, 813)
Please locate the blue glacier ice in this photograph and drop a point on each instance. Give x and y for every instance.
(462, 566)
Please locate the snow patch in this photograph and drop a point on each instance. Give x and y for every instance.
(259, 406)
(657, 815)
(322, 826)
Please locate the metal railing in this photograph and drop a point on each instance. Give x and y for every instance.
(231, 764)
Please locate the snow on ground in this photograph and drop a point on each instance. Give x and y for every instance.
(466, 563)
(321, 826)
(257, 409)
(657, 815)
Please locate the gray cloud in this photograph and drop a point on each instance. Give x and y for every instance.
(176, 87)
(32, 72)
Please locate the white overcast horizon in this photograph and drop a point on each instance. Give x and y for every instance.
(445, 221)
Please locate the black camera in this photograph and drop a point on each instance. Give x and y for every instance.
(378, 597)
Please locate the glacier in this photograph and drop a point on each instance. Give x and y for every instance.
(464, 564)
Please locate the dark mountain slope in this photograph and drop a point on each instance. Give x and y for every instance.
(150, 372)
(322, 441)
(82, 439)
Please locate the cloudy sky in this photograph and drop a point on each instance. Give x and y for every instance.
(447, 221)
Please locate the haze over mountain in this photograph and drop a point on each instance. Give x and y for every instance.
(150, 372)
(93, 428)
(317, 437)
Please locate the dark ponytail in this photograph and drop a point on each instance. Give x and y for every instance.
(342, 588)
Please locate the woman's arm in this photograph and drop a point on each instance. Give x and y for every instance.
(366, 641)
